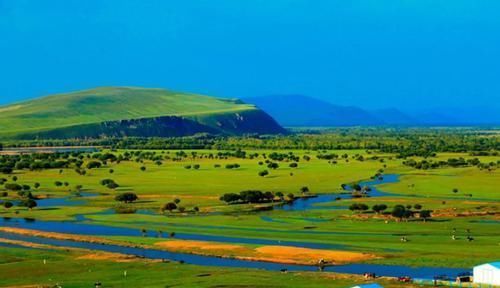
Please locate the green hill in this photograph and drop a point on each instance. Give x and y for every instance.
(130, 111)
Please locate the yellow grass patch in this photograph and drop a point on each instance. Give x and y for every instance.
(181, 244)
(279, 254)
(286, 254)
(115, 257)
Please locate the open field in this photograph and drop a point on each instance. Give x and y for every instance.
(327, 230)
(86, 268)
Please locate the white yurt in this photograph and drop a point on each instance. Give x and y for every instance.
(488, 273)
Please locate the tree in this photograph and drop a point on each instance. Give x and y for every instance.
(252, 196)
(127, 197)
(7, 204)
(25, 194)
(273, 165)
(58, 183)
(93, 165)
(290, 196)
(417, 206)
(280, 195)
(379, 208)
(293, 165)
(455, 190)
(36, 185)
(269, 196)
(196, 166)
(398, 211)
(112, 185)
(169, 206)
(230, 197)
(357, 187)
(263, 173)
(304, 190)
(358, 206)
(425, 214)
(408, 214)
(177, 200)
(5, 169)
(143, 168)
(13, 187)
(29, 203)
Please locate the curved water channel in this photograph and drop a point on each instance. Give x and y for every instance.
(84, 228)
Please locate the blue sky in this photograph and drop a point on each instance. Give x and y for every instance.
(410, 54)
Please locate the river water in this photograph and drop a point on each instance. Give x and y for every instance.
(84, 228)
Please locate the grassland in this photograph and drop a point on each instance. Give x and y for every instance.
(430, 242)
(73, 269)
(88, 109)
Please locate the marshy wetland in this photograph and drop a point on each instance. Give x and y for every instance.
(316, 216)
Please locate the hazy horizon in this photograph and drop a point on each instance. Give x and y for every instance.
(417, 55)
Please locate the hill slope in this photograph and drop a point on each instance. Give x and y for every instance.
(127, 111)
(299, 110)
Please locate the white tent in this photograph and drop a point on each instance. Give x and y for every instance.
(488, 273)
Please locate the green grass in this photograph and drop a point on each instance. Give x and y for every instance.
(109, 104)
(430, 243)
(64, 269)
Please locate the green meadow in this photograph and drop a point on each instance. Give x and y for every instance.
(472, 206)
(67, 270)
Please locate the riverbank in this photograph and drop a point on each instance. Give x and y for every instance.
(273, 254)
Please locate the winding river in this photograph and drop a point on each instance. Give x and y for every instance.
(85, 228)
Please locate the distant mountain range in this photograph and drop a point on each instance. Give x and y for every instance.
(147, 112)
(300, 110)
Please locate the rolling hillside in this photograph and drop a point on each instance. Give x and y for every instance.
(130, 111)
